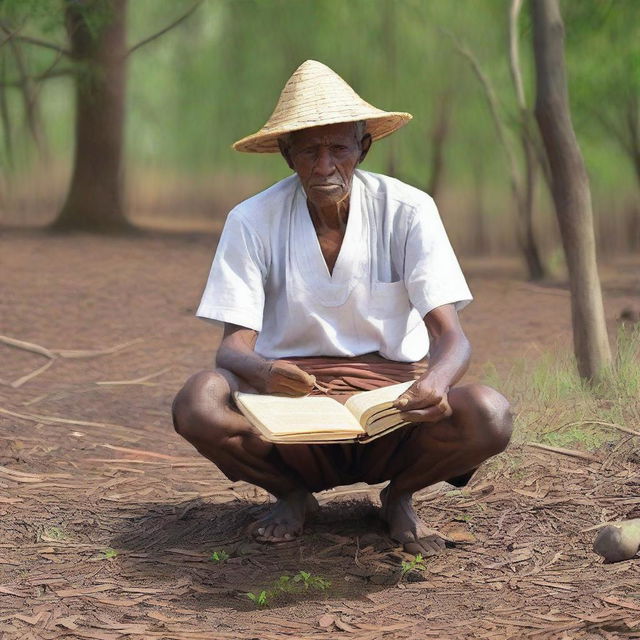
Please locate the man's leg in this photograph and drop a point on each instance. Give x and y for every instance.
(203, 415)
(479, 428)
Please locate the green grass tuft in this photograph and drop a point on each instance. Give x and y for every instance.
(554, 406)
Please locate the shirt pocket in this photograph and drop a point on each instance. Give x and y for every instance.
(389, 300)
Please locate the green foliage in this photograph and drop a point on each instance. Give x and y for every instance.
(299, 583)
(260, 599)
(109, 554)
(216, 77)
(55, 533)
(417, 563)
(219, 556)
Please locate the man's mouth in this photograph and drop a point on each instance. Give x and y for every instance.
(330, 185)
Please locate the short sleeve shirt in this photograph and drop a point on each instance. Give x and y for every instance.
(394, 266)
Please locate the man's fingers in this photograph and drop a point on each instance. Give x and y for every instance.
(409, 402)
(293, 372)
(429, 414)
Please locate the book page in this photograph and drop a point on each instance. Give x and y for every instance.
(283, 416)
(361, 402)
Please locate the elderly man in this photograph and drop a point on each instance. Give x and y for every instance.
(336, 280)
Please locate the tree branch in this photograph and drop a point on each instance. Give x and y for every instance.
(175, 23)
(494, 108)
(42, 76)
(40, 43)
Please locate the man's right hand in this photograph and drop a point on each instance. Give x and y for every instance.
(288, 379)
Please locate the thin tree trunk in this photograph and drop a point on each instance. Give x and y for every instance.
(526, 234)
(389, 35)
(30, 99)
(436, 141)
(5, 115)
(95, 198)
(570, 191)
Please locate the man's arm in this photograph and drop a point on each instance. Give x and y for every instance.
(236, 354)
(449, 355)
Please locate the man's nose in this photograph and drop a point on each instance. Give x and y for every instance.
(324, 164)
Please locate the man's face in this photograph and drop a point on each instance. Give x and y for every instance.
(325, 159)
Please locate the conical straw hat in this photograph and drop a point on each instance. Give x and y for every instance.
(314, 96)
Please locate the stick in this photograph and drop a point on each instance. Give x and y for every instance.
(64, 353)
(137, 380)
(90, 353)
(612, 425)
(53, 419)
(20, 381)
(565, 452)
(27, 346)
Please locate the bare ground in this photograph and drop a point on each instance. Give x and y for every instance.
(90, 463)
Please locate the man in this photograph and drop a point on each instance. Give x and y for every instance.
(332, 281)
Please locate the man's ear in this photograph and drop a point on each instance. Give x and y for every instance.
(284, 150)
(365, 145)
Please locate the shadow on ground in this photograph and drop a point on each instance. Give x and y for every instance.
(345, 544)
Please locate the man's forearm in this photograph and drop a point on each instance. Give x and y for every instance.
(236, 354)
(448, 358)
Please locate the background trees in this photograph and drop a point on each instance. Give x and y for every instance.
(216, 76)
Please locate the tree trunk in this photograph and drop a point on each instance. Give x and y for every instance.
(389, 43)
(29, 96)
(528, 242)
(436, 141)
(570, 191)
(526, 235)
(95, 198)
(5, 115)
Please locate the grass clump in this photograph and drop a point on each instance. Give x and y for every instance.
(554, 406)
(219, 556)
(299, 583)
(55, 534)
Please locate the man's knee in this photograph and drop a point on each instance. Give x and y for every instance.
(199, 405)
(487, 417)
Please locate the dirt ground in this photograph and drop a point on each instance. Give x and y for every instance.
(109, 520)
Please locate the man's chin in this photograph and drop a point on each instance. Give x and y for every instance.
(326, 196)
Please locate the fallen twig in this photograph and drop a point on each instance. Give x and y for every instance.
(36, 372)
(136, 380)
(27, 346)
(90, 353)
(64, 353)
(565, 452)
(611, 425)
(54, 419)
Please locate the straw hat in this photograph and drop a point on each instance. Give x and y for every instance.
(314, 96)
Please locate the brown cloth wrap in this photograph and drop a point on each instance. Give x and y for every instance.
(322, 466)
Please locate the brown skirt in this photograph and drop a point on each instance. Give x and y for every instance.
(321, 466)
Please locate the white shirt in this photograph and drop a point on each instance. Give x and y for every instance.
(395, 265)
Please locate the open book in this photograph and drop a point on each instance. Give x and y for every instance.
(320, 419)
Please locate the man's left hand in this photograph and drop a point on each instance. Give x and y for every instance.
(424, 401)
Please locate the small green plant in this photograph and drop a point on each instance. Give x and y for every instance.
(299, 583)
(109, 554)
(311, 582)
(55, 533)
(417, 562)
(260, 599)
(219, 556)
(464, 517)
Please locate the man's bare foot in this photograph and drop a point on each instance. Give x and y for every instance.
(285, 519)
(407, 528)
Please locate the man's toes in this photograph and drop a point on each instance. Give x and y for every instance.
(278, 532)
(427, 547)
